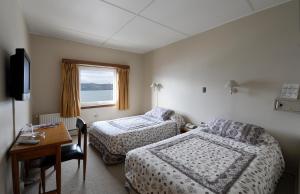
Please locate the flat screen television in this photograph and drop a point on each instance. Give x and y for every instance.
(20, 66)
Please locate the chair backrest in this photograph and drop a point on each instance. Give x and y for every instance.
(81, 125)
(82, 129)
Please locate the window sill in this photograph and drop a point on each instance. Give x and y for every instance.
(98, 106)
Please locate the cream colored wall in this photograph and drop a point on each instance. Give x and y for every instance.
(46, 58)
(13, 34)
(261, 52)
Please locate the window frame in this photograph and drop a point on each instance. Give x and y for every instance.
(98, 104)
(97, 64)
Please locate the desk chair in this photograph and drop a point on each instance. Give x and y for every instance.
(68, 152)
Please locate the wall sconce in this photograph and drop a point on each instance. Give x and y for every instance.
(156, 86)
(232, 85)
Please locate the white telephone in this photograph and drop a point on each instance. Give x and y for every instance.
(190, 126)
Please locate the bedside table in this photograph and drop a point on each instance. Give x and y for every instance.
(185, 129)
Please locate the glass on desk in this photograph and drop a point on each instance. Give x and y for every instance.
(42, 134)
(28, 131)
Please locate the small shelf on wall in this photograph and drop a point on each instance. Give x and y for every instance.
(288, 105)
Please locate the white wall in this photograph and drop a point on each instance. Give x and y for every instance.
(261, 52)
(46, 63)
(13, 34)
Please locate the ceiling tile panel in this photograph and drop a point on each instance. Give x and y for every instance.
(89, 16)
(127, 46)
(195, 16)
(131, 5)
(264, 4)
(107, 23)
(146, 34)
(68, 34)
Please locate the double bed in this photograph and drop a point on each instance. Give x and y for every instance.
(210, 159)
(114, 138)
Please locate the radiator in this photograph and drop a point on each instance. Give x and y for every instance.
(70, 123)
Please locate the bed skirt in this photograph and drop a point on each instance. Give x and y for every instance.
(107, 157)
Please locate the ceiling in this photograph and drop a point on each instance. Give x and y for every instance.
(137, 26)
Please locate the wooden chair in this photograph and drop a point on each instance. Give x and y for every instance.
(68, 152)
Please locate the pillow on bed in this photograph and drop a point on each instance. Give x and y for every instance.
(178, 119)
(238, 131)
(160, 113)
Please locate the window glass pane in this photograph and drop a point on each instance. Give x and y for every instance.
(97, 84)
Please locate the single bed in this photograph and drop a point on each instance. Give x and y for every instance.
(203, 162)
(114, 138)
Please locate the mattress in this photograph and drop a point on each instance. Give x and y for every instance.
(199, 162)
(114, 138)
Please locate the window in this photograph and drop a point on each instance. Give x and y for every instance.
(97, 86)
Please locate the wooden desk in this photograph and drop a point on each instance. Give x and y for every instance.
(50, 145)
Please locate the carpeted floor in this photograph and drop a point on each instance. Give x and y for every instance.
(100, 178)
(103, 179)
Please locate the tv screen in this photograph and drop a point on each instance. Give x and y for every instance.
(20, 65)
(26, 76)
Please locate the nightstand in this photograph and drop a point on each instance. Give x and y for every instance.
(184, 129)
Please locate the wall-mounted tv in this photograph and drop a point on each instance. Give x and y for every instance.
(20, 66)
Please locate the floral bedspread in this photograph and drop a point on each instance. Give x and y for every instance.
(199, 162)
(122, 135)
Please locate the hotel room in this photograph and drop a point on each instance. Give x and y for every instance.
(149, 96)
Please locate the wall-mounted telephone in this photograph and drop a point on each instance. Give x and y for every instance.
(190, 126)
(290, 105)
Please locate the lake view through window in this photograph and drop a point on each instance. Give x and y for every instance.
(97, 86)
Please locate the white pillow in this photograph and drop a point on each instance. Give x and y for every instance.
(160, 113)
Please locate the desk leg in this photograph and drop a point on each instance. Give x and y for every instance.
(15, 174)
(58, 169)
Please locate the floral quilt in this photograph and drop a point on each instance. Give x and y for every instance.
(199, 162)
(114, 138)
